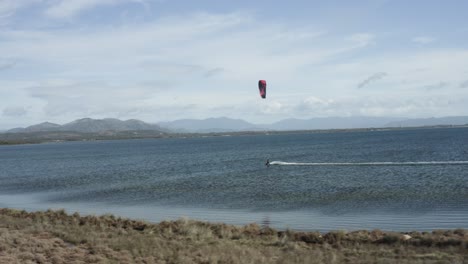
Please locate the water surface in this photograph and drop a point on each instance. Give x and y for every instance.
(223, 179)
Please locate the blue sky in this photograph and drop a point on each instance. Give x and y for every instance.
(170, 59)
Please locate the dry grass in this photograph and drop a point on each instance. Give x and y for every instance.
(56, 237)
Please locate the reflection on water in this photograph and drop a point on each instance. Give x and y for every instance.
(266, 221)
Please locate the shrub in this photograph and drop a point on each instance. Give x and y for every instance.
(390, 238)
(334, 237)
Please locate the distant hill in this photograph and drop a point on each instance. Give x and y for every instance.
(331, 123)
(224, 124)
(107, 124)
(220, 124)
(441, 121)
(45, 126)
(89, 125)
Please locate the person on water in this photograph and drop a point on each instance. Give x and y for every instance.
(267, 163)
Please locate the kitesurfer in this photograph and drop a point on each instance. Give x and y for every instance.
(267, 163)
(262, 88)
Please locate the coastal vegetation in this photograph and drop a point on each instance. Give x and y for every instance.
(57, 237)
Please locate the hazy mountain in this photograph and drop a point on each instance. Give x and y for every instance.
(107, 124)
(331, 123)
(220, 124)
(45, 126)
(14, 130)
(224, 124)
(89, 125)
(450, 120)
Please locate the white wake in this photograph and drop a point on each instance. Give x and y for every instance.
(385, 163)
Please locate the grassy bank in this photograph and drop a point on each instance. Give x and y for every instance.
(56, 237)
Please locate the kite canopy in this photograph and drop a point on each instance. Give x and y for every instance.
(262, 88)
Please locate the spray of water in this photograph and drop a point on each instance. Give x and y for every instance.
(406, 163)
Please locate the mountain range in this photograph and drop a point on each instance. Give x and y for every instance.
(220, 124)
(451, 120)
(89, 125)
(224, 124)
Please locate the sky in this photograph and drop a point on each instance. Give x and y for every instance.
(162, 60)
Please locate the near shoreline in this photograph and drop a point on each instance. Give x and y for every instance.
(57, 237)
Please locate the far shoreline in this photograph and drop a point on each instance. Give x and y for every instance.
(72, 136)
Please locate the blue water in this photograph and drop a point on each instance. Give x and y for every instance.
(224, 179)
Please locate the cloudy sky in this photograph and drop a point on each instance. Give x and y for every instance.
(160, 60)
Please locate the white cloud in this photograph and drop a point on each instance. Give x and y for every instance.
(374, 77)
(423, 40)
(464, 84)
(214, 72)
(313, 105)
(6, 64)
(9, 7)
(71, 8)
(14, 111)
(436, 86)
(362, 39)
(383, 106)
(272, 107)
(159, 69)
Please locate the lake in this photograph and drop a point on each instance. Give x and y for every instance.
(224, 179)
